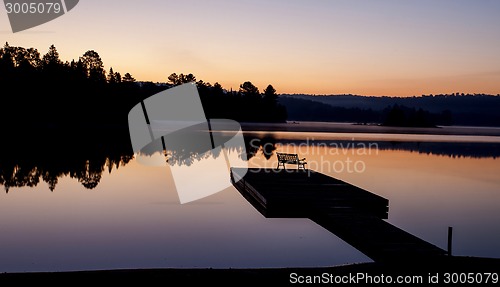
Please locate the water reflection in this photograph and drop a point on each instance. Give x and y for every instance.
(453, 150)
(30, 172)
(449, 149)
(264, 145)
(427, 193)
(86, 162)
(47, 155)
(133, 219)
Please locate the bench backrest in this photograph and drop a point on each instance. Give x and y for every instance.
(288, 157)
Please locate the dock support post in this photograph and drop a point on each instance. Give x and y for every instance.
(450, 239)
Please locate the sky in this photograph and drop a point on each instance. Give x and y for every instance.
(385, 47)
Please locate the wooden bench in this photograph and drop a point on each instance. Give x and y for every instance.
(284, 158)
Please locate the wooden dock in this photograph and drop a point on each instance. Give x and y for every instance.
(353, 214)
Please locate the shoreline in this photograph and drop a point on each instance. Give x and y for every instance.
(188, 276)
(253, 276)
(331, 127)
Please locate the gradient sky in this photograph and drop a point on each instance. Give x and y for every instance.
(386, 47)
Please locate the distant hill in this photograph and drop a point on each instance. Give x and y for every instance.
(456, 109)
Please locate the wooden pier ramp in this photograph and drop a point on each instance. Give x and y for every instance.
(353, 214)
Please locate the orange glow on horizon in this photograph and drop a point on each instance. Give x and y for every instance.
(356, 86)
(361, 47)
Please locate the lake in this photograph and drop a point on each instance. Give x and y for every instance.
(115, 213)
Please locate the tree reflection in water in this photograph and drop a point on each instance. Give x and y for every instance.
(23, 164)
(86, 160)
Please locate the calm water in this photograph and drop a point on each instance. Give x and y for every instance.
(132, 218)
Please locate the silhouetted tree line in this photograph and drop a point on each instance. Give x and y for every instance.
(402, 116)
(396, 115)
(247, 104)
(308, 110)
(466, 109)
(46, 90)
